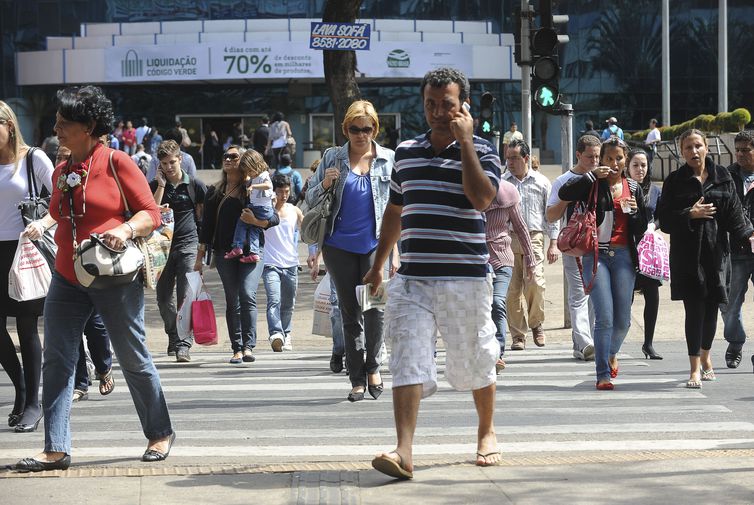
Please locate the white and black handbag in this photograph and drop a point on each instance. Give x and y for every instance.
(100, 267)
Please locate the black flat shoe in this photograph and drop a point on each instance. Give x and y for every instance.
(150, 455)
(375, 390)
(649, 352)
(34, 465)
(27, 428)
(13, 419)
(355, 397)
(336, 363)
(733, 357)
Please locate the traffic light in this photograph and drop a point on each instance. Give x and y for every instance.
(545, 69)
(486, 113)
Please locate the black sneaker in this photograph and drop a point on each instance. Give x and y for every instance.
(171, 351)
(336, 363)
(182, 355)
(733, 356)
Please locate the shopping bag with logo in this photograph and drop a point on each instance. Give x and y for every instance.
(203, 320)
(183, 317)
(321, 324)
(654, 255)
(155, 247)
(29, 277)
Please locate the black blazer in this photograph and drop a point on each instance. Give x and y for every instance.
(700, 248)
(736, 247)
(578, 189)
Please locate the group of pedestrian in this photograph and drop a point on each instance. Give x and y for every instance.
(461, 278)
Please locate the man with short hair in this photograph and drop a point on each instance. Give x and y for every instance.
(589, 129)
(510, 135)
(579, 308)
(742, 257)
(653, 138)
(180, 193)
(612, 130)
(187, 161)
(441, 184)
(142, 159)
(526, 296)
(144, 131)
(297, 182)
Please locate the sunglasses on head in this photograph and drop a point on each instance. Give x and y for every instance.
(615, 140)
(230, 157)
(355, 130)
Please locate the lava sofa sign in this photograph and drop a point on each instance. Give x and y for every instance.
(340, 36)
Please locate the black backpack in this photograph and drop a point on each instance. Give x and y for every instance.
(147, 141)
(143, 164)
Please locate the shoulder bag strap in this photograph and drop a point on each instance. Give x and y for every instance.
(592, 207)
(31, 180)
(120, 188)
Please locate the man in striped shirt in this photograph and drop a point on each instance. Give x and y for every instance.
(526, 297)
(442, 182)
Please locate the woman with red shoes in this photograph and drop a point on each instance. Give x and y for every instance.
(621, 223)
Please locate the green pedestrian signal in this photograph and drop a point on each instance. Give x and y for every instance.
(486, 127)
(545, 97)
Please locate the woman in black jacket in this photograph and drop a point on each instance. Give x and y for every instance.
(700, 210)
(224, 204)
(621, 223)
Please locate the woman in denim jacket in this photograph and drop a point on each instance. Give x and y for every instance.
(360, 174)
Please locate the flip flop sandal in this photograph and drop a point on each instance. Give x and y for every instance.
(391, 467)
(106, 383)
(708, 375)
(80, 395)
(692, 384)
(485, 456)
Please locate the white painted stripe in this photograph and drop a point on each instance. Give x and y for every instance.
(465, 431)
(298, 452)
(83, 413)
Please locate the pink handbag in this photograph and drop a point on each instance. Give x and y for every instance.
(654, 256)
(203, 320)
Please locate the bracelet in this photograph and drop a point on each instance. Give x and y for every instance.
(133, 230)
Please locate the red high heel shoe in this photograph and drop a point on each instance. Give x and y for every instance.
(605, 386)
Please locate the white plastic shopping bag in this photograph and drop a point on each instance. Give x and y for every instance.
(321, 320)
(29, 277)
(183, 318)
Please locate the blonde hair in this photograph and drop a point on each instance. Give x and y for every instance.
(15, 139)
(252, 163)
(360, 108)
(314, 165)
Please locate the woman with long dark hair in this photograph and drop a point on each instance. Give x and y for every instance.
(700, 210)
(639, 169)
(224, 204)
(621, 223)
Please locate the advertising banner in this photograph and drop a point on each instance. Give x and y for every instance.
(275, 60)
(340, 36)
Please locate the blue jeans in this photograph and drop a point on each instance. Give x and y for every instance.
(240, 282)
(280, 285)
(248, 233)
(173, 280)
(98, 342)
(336, 321)
(499, 308)
(742, 272)
(67, 309)
(611, 297)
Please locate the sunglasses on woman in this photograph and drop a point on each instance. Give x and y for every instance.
(355, 130)
(230, 157)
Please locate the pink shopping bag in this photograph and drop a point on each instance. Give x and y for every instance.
(654, 261)
(203, 319)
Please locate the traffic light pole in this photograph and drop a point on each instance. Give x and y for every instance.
(566, 148)
(525, 21)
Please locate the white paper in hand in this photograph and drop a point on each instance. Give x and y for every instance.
(369, 301)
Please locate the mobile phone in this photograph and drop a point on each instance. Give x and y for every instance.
(467, 106)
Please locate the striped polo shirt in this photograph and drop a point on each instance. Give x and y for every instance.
(442, 235)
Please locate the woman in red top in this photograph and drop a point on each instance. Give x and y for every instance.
(86, 200)
(129, 139)
(621, 223)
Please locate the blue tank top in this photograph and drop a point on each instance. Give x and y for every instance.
(354, 229)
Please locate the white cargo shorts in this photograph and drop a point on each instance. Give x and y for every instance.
(460, 311)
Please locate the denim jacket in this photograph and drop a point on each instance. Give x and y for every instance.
(380, 172)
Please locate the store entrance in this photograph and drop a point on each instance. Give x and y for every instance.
(211, 134)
